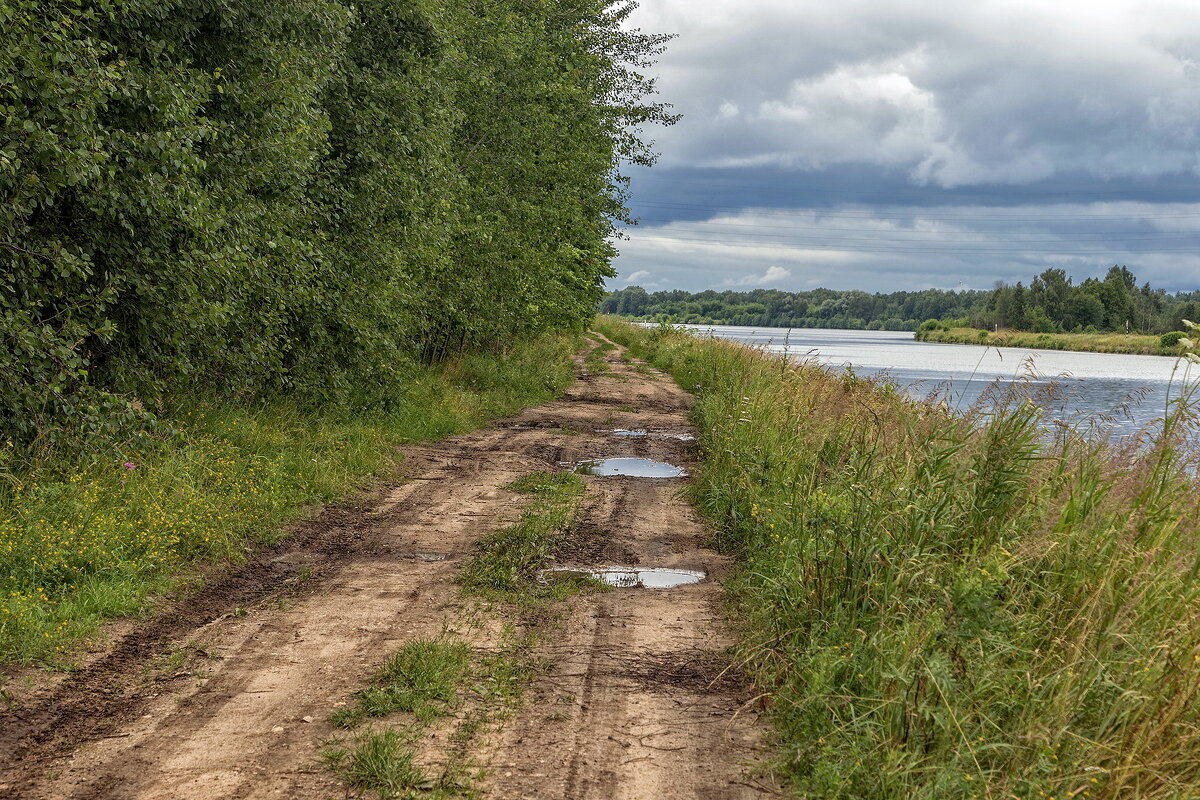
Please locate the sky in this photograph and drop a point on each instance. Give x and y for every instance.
(909, 144)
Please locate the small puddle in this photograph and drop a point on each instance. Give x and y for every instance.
(630, 468)
(682, 437)
(423, 556)
(632, 577)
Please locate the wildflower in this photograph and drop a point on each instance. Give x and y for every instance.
(129, 465)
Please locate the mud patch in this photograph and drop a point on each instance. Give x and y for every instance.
(629, 468)
(589, 543)
(634, 577)
(696, 670)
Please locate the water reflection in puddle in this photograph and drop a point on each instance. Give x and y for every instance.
(631, 468)
(632, 577)
(682, 437)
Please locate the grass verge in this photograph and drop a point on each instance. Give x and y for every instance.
(1128, 343)
(90, 541)
(941, 606)
(505, 562)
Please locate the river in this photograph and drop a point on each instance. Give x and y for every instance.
(1123, 393)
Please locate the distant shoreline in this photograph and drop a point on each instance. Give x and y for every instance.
(1122, 343)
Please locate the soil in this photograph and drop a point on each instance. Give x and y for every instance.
(226, 693)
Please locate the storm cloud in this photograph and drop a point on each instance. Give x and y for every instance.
(827, 139)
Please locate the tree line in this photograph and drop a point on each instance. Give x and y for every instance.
(1052, 303)
(244, 197)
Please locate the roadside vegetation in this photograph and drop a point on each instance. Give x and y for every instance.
(506, 562)
(1132, 343)
(248, 248)
(951, 606)
(443, 679)
(83, 541)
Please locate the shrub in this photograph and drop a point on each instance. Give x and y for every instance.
(1171, 338)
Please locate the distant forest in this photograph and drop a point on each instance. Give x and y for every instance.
(1051, 303)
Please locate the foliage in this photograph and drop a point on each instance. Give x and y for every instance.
(1171, 338)
(506, 561)
(422, 678)
(1051, 304)
(381, 762)
(952, 606)
(244, 198)
(84, 542)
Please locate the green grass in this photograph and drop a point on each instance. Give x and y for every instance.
(379, 762)
(83, 541)
(940, 606)
(1129, 343)
(422, 677)
(596, 362)
(428, 676)
(505, 562)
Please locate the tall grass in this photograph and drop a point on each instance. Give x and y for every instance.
(943, 606)
(1128, 343)
(83, 541)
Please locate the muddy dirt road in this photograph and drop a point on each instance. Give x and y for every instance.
(228, 692)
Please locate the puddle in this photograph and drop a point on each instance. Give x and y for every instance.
(632, 577)
(682, 437)
(423, 556)
(630, 467)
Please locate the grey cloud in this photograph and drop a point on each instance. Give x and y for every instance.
(914, 248)
(957, 94)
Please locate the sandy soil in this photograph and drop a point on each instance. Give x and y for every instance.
(227, 692)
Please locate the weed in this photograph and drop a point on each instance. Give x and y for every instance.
(950, 606)
(81, 542)
(377, 761)
(422, 677)
(506, 561)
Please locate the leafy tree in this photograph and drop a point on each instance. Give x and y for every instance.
(247, 197)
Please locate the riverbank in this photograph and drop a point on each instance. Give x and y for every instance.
(96, 540)
(940, 606)
(1122, 343)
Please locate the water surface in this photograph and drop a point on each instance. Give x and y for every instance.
(1121, 392)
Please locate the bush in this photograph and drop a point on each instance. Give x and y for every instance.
(930, 325)
(1171, 338)
(248, 198)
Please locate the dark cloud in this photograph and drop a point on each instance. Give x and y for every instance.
(1077, 113)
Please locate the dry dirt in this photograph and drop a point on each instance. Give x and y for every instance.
(227, 693)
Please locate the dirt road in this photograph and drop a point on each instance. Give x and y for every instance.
(228, 692)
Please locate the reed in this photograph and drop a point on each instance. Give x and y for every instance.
(943, 605)
(1127, 343)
